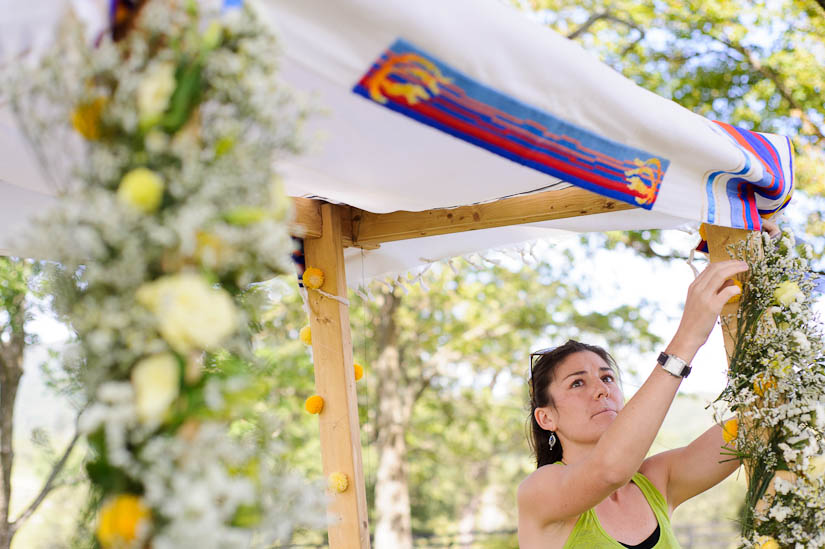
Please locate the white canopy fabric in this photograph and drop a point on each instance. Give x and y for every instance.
(433, 104)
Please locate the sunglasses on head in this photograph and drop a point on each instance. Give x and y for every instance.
(535, 356)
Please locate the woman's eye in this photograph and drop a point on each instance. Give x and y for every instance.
(576, 383)
(608, 378)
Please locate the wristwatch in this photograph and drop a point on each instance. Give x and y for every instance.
(673, 365)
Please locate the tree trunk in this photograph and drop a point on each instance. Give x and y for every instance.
(11, 370)
(469, 514)
(393, 525)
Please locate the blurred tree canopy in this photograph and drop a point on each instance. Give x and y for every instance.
(443, 401)
(759, 65)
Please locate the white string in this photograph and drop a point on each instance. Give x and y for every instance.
(343, 300)
(693, 268)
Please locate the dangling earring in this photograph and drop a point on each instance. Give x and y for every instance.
(552, 439)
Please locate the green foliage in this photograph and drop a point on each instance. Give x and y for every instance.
(464, 342)
(759, 65)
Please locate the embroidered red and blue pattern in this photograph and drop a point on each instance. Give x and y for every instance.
(411, 82)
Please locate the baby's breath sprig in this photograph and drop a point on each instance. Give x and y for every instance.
(776, 383)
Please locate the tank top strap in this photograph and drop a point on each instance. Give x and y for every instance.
(652, 494)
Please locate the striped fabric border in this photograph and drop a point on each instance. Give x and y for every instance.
(762, 185)
(407, 80)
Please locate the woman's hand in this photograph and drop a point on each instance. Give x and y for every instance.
(706, 296)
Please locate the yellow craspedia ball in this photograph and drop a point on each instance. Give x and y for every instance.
(730, 429)
(141, 189)
(762, 383)
(314, 404)
(767, 542)
(735, 298)
(338, 482)
(86, 118)
(313, 278)
(305, 335)
(359, 371)
(121, 521)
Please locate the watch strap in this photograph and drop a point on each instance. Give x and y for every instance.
(673, 365)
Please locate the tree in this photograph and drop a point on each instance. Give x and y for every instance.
(15, 311)
(442, 402)
(757, 65)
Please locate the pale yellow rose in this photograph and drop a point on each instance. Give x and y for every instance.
(156, 381)
(141, 189)
(787, 292)
(191, 314)
(155, 90)
(816, 466)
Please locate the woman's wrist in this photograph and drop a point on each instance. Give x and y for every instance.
(682, 349)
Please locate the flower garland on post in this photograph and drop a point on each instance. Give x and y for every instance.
(776, 385)
(171, 212)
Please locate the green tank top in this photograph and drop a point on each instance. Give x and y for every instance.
(589, 533)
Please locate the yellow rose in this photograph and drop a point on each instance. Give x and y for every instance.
(191, 314)
(729, 430)
(123, 520)
(787, 292)
(156, 381)
(154, 92)
(359, 371)
(141, 189)
(767, 542)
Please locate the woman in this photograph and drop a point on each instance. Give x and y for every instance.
(593, 487)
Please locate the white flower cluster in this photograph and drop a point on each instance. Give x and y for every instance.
(777, 384)
(163, 143)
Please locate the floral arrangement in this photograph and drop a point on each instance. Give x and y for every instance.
(163, 143)
(776, 385)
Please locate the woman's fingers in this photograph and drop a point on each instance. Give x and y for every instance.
(715, 275)
(728, 292)
(705, 299)
(771, 228)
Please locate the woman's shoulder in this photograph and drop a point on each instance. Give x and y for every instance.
(534, 486)
(655, 469)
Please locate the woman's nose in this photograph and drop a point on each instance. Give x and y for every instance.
(602, 390)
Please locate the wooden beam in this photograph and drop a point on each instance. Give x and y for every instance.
(335, 382)
(368, 230)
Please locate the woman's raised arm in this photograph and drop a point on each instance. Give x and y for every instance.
(556, 493)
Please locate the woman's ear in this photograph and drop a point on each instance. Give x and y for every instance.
(545, 419)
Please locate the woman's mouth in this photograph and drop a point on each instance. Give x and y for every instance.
(603, 411)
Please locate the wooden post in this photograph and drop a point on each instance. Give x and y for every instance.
(718, 239)
(335, 382)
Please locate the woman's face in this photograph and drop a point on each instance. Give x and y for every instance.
(586, 395)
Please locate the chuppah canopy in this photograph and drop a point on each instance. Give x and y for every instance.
(427, 105)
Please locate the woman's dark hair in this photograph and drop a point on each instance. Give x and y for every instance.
(542, 372)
